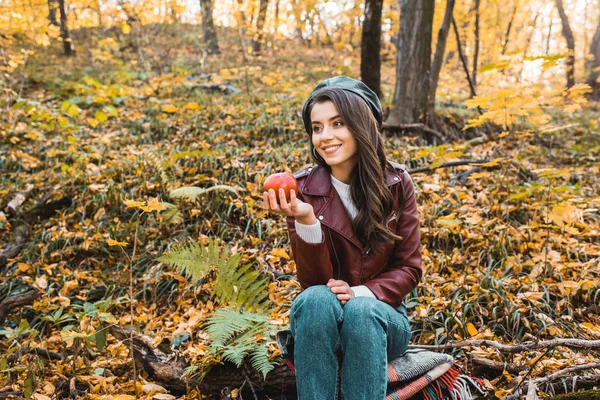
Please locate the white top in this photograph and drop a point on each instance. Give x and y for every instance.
(313, 233)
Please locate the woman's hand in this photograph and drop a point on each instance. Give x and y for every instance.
(342, 289)
(301, 211)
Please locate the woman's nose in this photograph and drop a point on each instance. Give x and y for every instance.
(327, 132)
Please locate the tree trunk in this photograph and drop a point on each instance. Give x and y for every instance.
(463, 59)
(52, 8)
(440, 49)
(547, 50)
(276, 18)
(300, 23)
(508, 28)
(413, 67)
(260, 26)
(593, 65)
(370, 46)
(208, 27)
(568, 35)
(64, 30)
(476, 51)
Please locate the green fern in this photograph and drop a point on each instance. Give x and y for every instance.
(194, 260)
(225, 322)
(234, 335)
(240, 286)
(234, 286)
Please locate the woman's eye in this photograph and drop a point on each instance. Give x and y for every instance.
(316, 129)
(338, 123)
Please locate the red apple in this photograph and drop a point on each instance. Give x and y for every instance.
(283, 181)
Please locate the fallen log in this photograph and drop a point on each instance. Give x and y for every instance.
(20, 300)
(20, 238)
(14, 205)
(168, 370)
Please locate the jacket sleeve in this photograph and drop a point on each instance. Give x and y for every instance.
(313, 263)
(403, 272)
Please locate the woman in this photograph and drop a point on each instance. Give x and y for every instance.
(354, 230)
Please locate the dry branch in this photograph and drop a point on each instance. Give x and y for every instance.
(447, 165)
(565, 371)
(42, 353)
(414, 127)
(19, 300)
(497, 365)
(517, 348)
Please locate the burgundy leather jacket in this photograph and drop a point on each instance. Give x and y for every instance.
(391, 273)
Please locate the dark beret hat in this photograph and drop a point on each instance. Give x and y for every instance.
(349, 85)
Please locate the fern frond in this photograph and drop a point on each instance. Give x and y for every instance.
(171, 215)
(194, 260)
(240, 286)
(223, 324)
(259, 357)
(238, 335)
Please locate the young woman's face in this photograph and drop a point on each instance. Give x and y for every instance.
(332, 138)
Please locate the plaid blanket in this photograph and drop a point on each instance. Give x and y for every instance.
(417, 374)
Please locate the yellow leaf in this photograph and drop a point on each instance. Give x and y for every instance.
(471, 329)
(267, 80)
(126, 28)
(112, 242)
(133, 203)
(23, 267)
(73, 111)
(43, 40)
(153, 205)
(492, 163)
(68, 286)
(93, 122)
(192, 106)
(101, 116)
(169, 109)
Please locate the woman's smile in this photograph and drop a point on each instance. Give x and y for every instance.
(329, 150)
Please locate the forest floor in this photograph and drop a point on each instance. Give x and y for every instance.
(511, 252)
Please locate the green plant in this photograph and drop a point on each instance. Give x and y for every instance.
(237, 335)
(234, 285)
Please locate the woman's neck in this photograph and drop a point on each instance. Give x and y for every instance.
(341, 174)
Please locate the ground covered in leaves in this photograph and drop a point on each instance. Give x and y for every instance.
(511, 250)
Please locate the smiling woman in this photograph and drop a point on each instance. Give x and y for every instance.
(354, 230)
(333, 141)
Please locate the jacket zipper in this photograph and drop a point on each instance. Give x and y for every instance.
(335, 253)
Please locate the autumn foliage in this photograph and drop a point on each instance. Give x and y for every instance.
(139, 146)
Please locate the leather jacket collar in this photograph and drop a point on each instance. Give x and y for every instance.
(318, 181)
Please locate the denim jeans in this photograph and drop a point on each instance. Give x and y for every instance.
(363, 335)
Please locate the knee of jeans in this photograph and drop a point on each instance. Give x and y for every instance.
(319, 298)
(361, 309)
(319, 295)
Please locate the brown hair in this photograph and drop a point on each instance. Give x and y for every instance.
(368, 188)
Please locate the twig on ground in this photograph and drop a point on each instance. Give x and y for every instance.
(542, 344)
(19, 300)
(38, 351)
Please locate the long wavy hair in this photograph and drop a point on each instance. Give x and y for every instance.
(368, 188)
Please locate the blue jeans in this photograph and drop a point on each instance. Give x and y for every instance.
(364, 333)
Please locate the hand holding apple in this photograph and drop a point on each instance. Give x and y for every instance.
(279, 196)
(281, 180)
